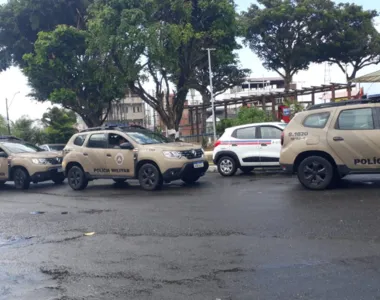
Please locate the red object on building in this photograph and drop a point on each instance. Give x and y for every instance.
(284, 113)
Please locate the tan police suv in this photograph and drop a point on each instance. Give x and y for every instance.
(329, 141)
(24, 163)
(131, 152)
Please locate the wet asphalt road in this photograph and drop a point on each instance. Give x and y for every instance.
(246, 237)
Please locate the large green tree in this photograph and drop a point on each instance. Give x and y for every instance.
(27, 129)
(3, 126)
(284, 33)
(162, 41)
(350, 40)
(59, 125)
(22, 20)
(60, 70)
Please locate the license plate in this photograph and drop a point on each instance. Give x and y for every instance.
(60, 170)
(198, 165)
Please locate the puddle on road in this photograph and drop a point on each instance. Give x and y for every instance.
(14, 240)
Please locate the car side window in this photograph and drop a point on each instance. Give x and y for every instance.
(245, 133)
(356, 119)
(115, 140)
(270, 132)
(318, 120)
(79, 140)
(97, 140)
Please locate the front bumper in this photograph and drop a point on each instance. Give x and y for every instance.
(287, 168)
(48, 174)
(188, 169)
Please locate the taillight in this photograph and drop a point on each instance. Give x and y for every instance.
(282, 138)
(217, 143)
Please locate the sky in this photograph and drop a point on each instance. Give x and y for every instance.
(14, 85)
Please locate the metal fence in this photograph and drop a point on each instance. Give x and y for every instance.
(206, 139)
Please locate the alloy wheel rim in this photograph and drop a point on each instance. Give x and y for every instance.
(149, 177)
(75, 178)
(226, 166)
(315, 173)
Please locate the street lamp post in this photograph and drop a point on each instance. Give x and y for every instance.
(211, 91)
(7, 109)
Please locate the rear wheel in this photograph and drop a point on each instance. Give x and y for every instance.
(119, 180)
(191, 179)
(227, 166)
(21, 179)
(59, 178)
(77, 178)
(315, 173)
(246, 170)
(150, 177)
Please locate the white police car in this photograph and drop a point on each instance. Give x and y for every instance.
(248, 146)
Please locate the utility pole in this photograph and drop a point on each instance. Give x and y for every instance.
(8, 125)
(211, 91)
(7, 109)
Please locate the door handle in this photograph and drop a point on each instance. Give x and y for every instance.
(109, 155)
(264, 145)
(233, 145)
(85, 154)
(338, 138)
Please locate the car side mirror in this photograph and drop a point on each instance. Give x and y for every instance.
(127, 146)
(3, 154)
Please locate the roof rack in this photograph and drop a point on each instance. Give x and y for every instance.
(112, 127)
(367, 100)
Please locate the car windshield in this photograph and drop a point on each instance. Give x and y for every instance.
(56, 147)
(146, 137)
(21, 148)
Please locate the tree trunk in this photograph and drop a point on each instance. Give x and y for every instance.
(288, 80)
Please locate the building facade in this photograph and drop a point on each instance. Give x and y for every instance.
(130, 110)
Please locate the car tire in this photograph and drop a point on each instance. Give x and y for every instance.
(21, 179)
(77, 178)
(191, 179)
(227, 166)
(246, 170)
(2, 183)
(150, 177)
(315, 173)
(58, 179)
(119, 180)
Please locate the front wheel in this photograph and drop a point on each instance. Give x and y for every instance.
(77, 178)
(21, 179)
(227, 166)
(150, 177)
(191, 179)
(58, 179)
(315, 173)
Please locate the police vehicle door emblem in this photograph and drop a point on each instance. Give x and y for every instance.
(119, 158)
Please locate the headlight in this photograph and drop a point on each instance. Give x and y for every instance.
(40, 161)
(172, 154)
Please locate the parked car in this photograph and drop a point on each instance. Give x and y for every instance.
(23, 163)
(53, 147)
(131, 152)
(329, 141)
(248, 146)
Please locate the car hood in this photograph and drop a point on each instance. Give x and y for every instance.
(175, 146)
(38, 155)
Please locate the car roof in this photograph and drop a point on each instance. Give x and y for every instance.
(255, 124)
